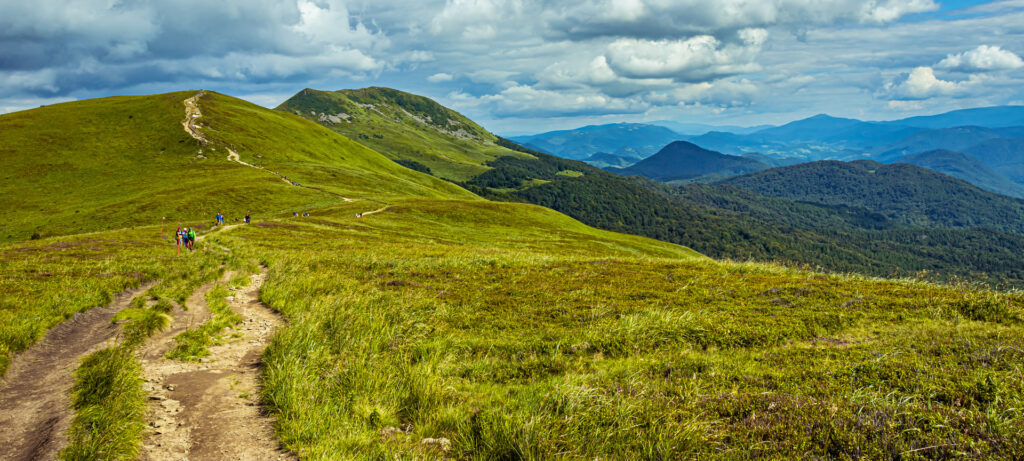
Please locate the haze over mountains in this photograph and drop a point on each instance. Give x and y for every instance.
(990, 149)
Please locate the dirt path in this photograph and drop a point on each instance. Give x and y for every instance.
(193, 315)
(192, 115)
(363, 214)
(35, 404)
(210, 410)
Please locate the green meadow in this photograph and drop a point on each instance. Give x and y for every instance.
(579, 344)
(446, 326)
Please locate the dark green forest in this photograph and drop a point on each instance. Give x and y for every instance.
(729, 222)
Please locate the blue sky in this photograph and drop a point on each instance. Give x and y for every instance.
(533, 65)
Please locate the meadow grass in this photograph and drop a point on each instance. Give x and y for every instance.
(109, 406)
(517, 336)
(517, 333)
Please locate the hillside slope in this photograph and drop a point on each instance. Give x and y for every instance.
(407, 128)
(1006, 156)
(129, 161)
(903, 192)
(965, 167)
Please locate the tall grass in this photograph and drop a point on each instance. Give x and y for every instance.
(109, 406)
(542, 343)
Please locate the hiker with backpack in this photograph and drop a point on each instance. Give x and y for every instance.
(190, 237)
(247, 218)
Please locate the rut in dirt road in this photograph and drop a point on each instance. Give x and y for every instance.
(35, 404)
(210, 410)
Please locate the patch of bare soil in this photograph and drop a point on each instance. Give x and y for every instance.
(35, 404)
(211, 410)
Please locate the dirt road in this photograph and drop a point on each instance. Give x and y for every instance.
(35, 404)
(210, 410)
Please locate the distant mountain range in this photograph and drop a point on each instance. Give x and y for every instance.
(819, 137)
(990, 142)
(683, 160)
(622, 139)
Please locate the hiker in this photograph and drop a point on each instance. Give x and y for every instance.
(179, 237)
(191, 236)
(295, 214)
(247, 218)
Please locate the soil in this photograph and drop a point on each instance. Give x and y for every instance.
(210, 409)
(35, 404)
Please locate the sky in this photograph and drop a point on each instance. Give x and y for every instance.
(527, 66)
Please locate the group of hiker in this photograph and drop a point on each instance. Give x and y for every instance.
(186, 236)
(219, 218)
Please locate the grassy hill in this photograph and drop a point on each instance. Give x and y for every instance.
(903, 192)
(407, 128)
(129, 162)
(513, 331)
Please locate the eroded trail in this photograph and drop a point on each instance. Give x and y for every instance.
(210, 410)
(35, 404)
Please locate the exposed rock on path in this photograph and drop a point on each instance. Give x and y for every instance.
(210, 410)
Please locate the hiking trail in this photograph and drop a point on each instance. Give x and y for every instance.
(192, 127)
(191, 124)
(366, 213)
(35, 401)
(210, 409)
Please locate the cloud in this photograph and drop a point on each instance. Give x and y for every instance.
(440, 77)
(982, 58)
(882, 12)
(95, 44)
(522, 100)
(921, 83)
(695, 59)
(659, 19)
(724, 93)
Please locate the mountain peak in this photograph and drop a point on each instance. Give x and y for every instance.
(686, 160)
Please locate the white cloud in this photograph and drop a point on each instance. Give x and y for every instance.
(905, 105)
(982, 58)
(696, 59)
(881, 12)
(440, 77)
(723, 93)
(921, 83)
(525, 100)
(329, 22)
